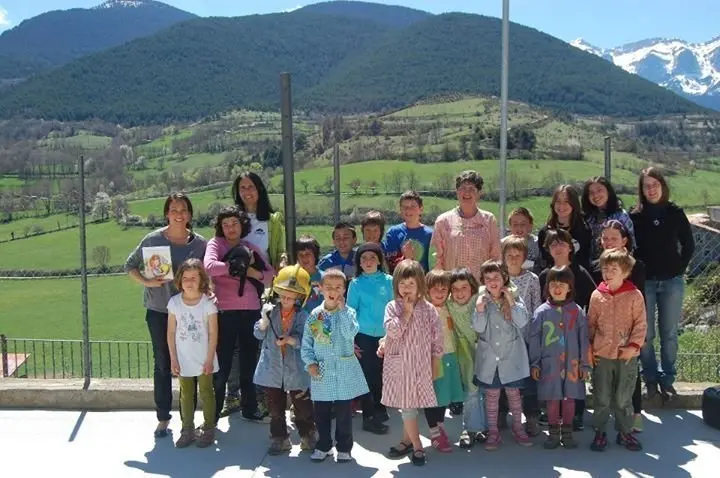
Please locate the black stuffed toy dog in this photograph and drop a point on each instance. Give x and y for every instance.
(239, 259)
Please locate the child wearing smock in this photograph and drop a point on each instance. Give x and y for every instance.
(412, 346)
(280, 370)
(559, 358)
(368, 295)
(328, 351)
(501, 360)
(448, 385)
(460, 305)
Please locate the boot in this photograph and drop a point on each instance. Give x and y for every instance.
(567, 437)
(532, 427)
(553, 440)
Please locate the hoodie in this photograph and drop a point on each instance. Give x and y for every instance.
(369, 294)
(616, 320)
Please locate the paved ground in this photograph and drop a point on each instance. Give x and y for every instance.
(110, 444)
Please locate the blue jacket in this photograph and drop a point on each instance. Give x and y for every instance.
(368, 295)
(329, 342)
(335, 261)
(274, 370)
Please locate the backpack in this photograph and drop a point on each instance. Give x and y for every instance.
(711, 406)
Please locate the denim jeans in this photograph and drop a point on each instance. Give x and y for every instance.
(667, 297)
(474, 414)
(162, 377)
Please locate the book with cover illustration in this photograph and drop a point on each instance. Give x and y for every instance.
(158, 263)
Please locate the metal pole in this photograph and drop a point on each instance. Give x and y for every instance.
(4, 353)
(288, 164)
(608, 164)
(336, 182)
(504, 112)
(83, 278)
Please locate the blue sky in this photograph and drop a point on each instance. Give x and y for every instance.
(605, 23)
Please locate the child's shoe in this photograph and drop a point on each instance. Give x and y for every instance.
(232, 405)
(343, 457)
(206, 438)
(279, 446)
(319, 455)
(466, 440)
(494, 440)
(638, 423)
(543, 418)
(567, 437)
(187, 437)
(308, 443)
(441, 442)
(599, 442)
(456, 409)
(520, 436)
(418, 458)
(480, 437)
(553, 440)
(532, 427)
(629, 441)
(578, 424)
(374, 426)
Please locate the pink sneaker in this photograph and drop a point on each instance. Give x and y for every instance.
(521, 437)
(493, 441)
(442, 443)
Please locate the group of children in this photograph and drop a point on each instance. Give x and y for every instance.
(343, 329)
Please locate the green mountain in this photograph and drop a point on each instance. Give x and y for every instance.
(339, 63)
(57, 37)
(390, 15)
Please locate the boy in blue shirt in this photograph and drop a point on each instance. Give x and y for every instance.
(307, 255)
(343, 257)
(411, 239)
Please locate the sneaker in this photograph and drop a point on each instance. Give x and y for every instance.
(493, 442)
(319, 455)
(466, 441)
(279, 446)
(308, 443)
(206, 438)
(232, 405)
(257, 417)
(532, 427)
(637, 426)
(343, 457)
(578, 424)
(456, 409)
(651, 390)
(480, 437)
(599, 442)
(187, 437)
(629, 441)
(543, 418)
(668, 391)
(441, 442)
(375, 426)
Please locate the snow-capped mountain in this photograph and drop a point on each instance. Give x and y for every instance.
(691, 69)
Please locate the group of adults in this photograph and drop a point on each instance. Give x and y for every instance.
(465, 236)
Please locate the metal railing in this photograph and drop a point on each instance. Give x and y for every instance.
(56, 359)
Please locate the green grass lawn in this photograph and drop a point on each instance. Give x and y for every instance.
(47, 223)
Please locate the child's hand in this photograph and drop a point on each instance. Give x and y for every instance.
(381, 348)
(358, 351)
(628, 353)
(175, 367)
(407, 250)
(408, 307)
(535, 374)
(480, 304)
(436, 367)
(314, 370)
(281, 341)
(208, 367)
(584, 375)
(263, 323)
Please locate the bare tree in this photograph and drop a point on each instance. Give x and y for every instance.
(355, 185)
(101, 256)
(412, 180)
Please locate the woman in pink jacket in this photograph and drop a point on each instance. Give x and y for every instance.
(238, 310)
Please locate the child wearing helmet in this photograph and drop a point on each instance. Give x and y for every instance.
(280, 370)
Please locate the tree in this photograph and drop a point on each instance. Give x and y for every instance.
(101, 206)
(355, 185)
(301, 142)
(101, 256)
(376, 128)
(412, 180)
(120, 209)
(373, 186)
(305, 185)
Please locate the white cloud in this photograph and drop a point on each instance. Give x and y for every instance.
(297, 7)
(4, 22)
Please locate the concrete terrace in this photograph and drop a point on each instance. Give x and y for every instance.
(118, 444)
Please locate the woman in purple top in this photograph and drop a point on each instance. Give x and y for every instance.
(237, 313)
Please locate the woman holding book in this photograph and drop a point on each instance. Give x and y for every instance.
(173, 243)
